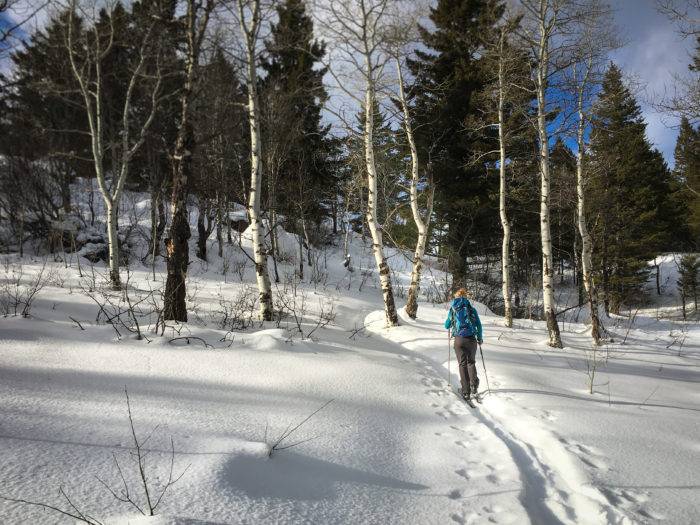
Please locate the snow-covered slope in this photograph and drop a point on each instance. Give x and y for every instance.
(394, 445)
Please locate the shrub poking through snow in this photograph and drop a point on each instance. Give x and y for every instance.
(127, 491)
(18, 290)
(281, 443)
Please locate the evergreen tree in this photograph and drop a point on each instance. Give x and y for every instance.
(688, 272)
(563, 206)
(634, 216)
(223, 158)
(687, 171)
(390, 164)
(44, 117)
(297, 144)
(448, 75)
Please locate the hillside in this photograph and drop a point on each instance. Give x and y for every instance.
(391, 442)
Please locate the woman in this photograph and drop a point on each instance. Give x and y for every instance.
(465, 325)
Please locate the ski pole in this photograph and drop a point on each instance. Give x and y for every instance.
(483, 363)
(449, 353)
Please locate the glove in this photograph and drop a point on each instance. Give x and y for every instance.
(480, 341)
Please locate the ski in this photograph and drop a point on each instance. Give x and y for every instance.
(467, 400)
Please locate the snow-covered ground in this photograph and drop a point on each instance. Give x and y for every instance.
(394, 445)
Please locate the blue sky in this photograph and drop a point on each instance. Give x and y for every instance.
(653, 53)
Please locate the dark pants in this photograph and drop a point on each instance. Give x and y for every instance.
(465, 348)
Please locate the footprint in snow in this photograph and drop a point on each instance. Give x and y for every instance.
(493, 479)
(463, 473)
(455, 494)
(548, 416)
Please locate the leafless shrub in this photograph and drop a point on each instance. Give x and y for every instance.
(239, 267)
(399, 287)
(678, 337)
(319, 273)
(632, 318)
(366, 275)
(286, 257)
(123, 311)
(592, 358)
(18, 291)
(292, 301)
(240, 312)
(437, 293)
(152, 495)
(279, 443)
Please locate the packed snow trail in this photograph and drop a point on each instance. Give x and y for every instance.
(548, 422)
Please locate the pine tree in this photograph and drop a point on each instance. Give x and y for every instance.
(447, 77)
(687, 171)
(222, 160)
(688, 270)
(631, 195)
(42, 119)
(297, 144)
(563, 206)
(390, 164)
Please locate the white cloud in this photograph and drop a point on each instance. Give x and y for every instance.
(653, 54)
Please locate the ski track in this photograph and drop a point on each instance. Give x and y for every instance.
(552, 488)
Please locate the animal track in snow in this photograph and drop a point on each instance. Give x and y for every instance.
(463, 473)
(455, 494)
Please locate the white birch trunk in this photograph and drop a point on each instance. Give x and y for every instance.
(545, 231)
(587, 245)
(250, 33)
(505, 248)
(92, 97)
(421, 224)
(392, 318)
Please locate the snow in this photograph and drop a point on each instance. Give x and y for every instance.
(393, 445)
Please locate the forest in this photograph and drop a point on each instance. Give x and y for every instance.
(513, 141)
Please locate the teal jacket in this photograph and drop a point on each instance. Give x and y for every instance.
(469, 330)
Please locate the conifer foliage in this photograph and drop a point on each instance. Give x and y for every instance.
(633, 212)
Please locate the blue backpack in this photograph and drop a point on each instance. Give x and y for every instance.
(464, 317)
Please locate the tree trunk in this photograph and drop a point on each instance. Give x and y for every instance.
(392, 318)
(505, 225)
(658, 277)
(219, 232)
(113, 241)
(202, 234)
(307, 241)
(260, 255)
(421, 225)
(154, 223)
(301, 256)
(545, 230)
(587, 245)
(273, 244)
(229, 238)
(177, 245)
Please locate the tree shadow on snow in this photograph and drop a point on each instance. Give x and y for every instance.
(588, 399)
(289, 475)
